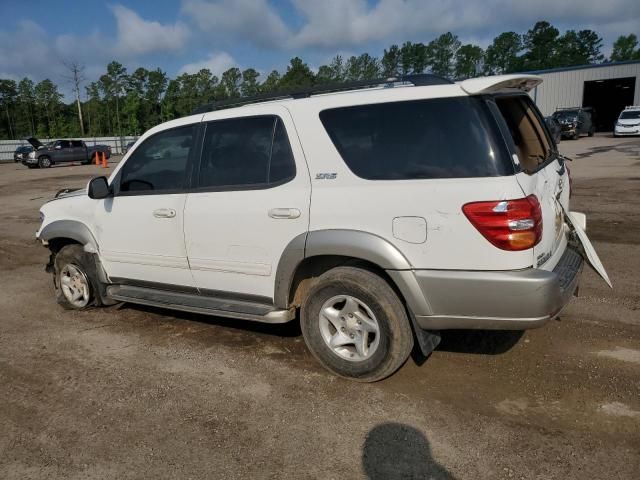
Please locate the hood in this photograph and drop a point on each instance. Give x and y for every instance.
(35, 143)
(70, 192)
(628, 121)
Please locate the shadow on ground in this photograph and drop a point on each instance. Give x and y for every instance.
(396, 451)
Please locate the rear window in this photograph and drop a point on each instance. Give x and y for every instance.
(437, 138)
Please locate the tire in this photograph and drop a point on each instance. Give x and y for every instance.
(591, 132)
(337, 292)
(44, 162)
(78, 267)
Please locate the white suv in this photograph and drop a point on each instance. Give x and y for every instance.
(382, 213)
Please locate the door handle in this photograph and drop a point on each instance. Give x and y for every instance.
(284, 213)
(164, 213)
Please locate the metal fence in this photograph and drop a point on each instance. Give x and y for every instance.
(7, 147)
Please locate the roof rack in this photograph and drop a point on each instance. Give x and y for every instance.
(417, 80)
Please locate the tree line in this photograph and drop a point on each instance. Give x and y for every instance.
(123, 103)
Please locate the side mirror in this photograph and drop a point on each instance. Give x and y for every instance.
(98, 188)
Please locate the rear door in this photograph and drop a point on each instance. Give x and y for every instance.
(251, 198)
(79, 151)
(542, 172)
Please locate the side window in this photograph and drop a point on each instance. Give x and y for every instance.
(245, 152)
(76, 143)
(160, 163)
(283, 166)
(64, 144)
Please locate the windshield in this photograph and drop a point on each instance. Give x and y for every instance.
(634, 114)
(570, 115)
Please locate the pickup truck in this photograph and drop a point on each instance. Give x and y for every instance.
(62, 151)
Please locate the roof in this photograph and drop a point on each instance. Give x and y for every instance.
(583, 67)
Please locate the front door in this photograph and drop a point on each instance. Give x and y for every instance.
(251, 199)
(140, 228)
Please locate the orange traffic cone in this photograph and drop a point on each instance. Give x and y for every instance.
(97, 157)
(104, 159)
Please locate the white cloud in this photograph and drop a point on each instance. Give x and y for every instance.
(232, 20)
(137, 36)
(340, 24)
(216, 63)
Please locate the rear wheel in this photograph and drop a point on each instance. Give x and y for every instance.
(355, 325)
(44, 162)
(591, 132)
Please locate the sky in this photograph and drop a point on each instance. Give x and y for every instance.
(37, 37)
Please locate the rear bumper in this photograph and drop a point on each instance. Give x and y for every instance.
(512, 300)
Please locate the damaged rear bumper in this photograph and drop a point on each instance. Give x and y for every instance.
(502, 300)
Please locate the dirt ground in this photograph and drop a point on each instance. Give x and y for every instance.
(131, 392)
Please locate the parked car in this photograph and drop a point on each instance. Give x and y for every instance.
(21, 152)
(128, 147)
(414, 225)
(628, 122)
(62, 151)
(575, 122)
(554, 129)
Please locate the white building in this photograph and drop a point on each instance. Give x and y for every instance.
(606, 87)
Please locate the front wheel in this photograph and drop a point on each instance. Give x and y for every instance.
(355, 325)
(74, 278)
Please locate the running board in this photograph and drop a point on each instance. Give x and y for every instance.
(193, 303)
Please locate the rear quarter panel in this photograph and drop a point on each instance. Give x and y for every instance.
(350, 202)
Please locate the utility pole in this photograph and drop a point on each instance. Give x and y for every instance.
(76, 77)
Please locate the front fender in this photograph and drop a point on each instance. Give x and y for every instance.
(72, 229)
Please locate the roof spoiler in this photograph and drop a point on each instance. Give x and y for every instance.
(496, 83)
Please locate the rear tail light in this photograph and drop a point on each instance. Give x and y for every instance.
(508, 224)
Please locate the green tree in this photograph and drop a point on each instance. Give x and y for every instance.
(502, 56)
(442, 52)
(250, 85)
(391, 61)
(156, 86)
(541, 45)
(625, 48)
(414, 58)
(231, 82)
(48, 99)
(468, 60)
(8, 94)
(272, 82)
(362, 67)
(298, 75)
(26, 98)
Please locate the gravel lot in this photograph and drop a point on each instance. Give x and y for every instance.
(131, 392)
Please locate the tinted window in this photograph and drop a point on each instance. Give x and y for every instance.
(76, 143)
(439, 138)
(160, 163)
(64, 143)
(252, 151)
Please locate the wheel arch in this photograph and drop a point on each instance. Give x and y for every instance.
(63, 232)
(311, 254)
